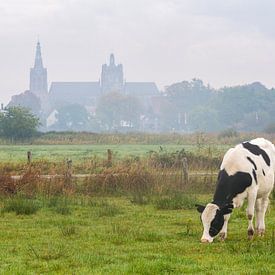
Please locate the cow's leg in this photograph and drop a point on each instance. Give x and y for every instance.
(223, 234)
(261, 207)
(251, 200)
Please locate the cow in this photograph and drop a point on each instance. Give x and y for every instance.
(247, 171)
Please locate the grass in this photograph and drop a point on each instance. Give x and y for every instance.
(176, 201)
(138, 240)
(20, 206)
(18, 153)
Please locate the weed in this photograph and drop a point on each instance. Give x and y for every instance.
(60, 205)
(176, 201)
(68, 230)
(272, 248)
(47, 254)
(63, 209)
(107, 210)
(140, 199)
(20, 206)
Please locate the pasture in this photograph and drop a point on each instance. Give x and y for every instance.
(141, 221)
(17, 153)
(112, 235)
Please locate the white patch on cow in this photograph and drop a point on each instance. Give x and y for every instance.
(207, 217)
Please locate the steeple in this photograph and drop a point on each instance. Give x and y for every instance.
(38, 63)
(38, 75)
(112, 59)
(112, 77)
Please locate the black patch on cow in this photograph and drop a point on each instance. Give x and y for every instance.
(229, 186)
(253, 163)
(254, 176)
(256, 150)
(216, 224)
(263, 172)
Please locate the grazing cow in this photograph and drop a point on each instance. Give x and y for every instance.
(247, 171)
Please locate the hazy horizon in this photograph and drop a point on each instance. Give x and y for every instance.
(226, 43)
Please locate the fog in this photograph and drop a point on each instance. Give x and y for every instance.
(223, 43)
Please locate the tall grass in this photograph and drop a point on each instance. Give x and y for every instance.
(176, 201)
(21, 206)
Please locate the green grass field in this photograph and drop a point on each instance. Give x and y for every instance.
(114, 236)
(15, 153)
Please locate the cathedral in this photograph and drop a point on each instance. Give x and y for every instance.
(44, 101)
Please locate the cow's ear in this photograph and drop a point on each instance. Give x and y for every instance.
(227, 209)
(200, 208)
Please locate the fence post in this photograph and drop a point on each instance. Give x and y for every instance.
(29, 156)
(69, 168)
(110, 157)
(185, 170)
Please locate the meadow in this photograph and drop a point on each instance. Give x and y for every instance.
(113, 235)
(18, 153)
(134, 214)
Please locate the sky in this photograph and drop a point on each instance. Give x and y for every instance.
(224, 43)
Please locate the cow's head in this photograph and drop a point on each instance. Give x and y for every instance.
(212, 218)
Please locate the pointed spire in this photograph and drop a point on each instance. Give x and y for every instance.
(38, 57)
(112, 59)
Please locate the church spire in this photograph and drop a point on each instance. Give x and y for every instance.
(38, 75)
(38, 63)
(112, 59)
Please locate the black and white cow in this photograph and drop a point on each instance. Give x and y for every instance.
(247, 171)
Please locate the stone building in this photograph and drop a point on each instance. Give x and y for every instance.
(112, 77)
(38, 76)
(86, 93)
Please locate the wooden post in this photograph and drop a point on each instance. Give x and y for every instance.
(185, 169)
(29, 155)
(110, 157)
(69, 168)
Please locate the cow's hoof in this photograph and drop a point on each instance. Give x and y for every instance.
(250, 234)
(222, 236)
(260, 232)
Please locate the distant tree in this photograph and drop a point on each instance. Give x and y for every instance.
(246, 107)
(115, 109)
(28, 100)
(205, 119)
(18, 123)
(168, 117)
(71, 117)
(186, 96)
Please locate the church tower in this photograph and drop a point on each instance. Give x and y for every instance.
(38, 75)
(112, 77)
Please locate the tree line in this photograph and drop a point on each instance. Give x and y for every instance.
(187, 106)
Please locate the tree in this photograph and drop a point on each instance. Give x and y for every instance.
(115, 109)
(28, 100)
(18, 123)
(72, 117)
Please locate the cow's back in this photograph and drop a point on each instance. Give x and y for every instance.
(258, 163)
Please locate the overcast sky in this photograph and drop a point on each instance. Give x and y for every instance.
(222, 42)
